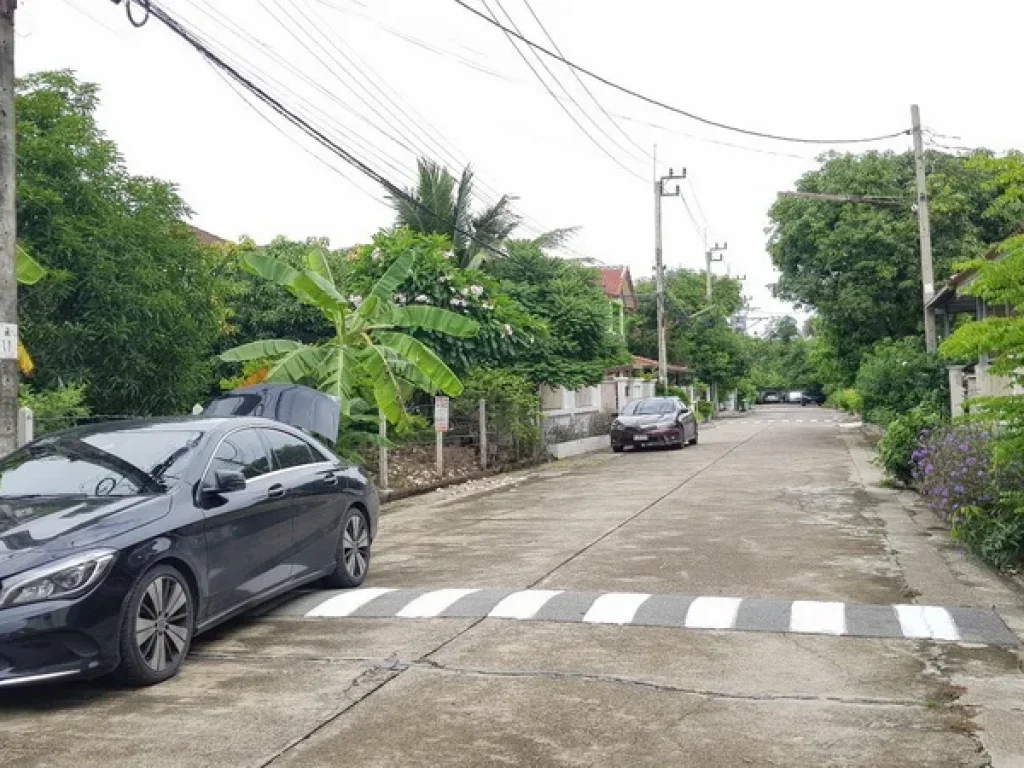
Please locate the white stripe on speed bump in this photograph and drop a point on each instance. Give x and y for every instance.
(523, 605)
(926, 621)
(817, 618)
(615, 608)
(712, 613)
(431, 604)
(347, 602)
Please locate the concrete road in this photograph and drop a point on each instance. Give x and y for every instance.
(733, 603)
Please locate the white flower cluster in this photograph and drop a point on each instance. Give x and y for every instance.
(355, 301)
(376, 255)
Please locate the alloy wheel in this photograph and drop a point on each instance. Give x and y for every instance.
(162, 623)
(355, 546)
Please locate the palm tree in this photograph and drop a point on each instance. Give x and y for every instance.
(368, 351)
(440, 205)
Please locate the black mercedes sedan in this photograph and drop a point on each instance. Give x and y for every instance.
(120, 542)
(664, 421)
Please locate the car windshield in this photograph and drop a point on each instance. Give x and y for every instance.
(651, 407)
(110, 463)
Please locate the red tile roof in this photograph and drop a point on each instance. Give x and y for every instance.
(618, 284)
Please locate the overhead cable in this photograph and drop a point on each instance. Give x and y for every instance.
(669, 107)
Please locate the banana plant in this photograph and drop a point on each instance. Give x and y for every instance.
(27, 271)
(370, 345)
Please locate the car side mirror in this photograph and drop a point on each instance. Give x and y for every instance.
(227, 481)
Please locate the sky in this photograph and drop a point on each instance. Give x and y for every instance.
(391, 80)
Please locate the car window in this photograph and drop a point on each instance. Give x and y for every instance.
(289, 451)
(108, 463)
(650, 407)
(243, 452)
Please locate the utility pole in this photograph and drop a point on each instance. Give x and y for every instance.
(8, 235)
(659, 265)
(925, 228)
(710, 256)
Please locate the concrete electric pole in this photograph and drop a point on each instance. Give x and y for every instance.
(8, 234)
(709, 256)
(659, 267)
(925, 229)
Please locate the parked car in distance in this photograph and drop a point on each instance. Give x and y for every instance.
(794, 397)
(770, 397)
(664, 421)
(120, 542)
(813, 398)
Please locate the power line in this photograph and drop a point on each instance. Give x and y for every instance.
(644, 153)
(558, 101)
(428, 141)
(669, 107)
(211, 56)
(382, 156)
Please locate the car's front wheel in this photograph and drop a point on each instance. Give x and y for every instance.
(353, 551)
(157, 627)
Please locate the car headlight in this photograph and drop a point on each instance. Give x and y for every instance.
(62, 580)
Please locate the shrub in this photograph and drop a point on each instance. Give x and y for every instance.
(54, 409)
(995, 534)
(705, 408)
(671, 391)
(953, 468)
(845, 400)
(896, 376)
(513, 403)
(896, 449)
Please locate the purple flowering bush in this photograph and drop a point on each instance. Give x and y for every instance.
(955, 470)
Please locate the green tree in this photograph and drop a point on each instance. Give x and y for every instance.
(129, 308)
(575, 345)
(699, 335)
(858, 264)
(367, 352)
(443, 206)
(1000, 338)
(506, 330)
(897, 376)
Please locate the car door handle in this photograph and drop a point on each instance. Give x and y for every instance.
(276, 491)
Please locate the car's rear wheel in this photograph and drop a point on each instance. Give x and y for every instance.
(353, 551)
(157, 627)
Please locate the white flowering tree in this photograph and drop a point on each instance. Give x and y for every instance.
(371, 347)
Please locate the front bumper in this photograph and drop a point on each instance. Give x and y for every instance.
(59, 639)
(665, 436)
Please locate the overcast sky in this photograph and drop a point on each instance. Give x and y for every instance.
(457, 89)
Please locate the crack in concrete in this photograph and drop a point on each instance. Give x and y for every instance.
(558, 675)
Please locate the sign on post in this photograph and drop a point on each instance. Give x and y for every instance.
(441, 413)
(8, 341)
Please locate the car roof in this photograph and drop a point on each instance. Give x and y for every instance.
(170, 424)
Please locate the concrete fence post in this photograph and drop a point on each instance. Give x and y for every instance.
(483, 433)
(383, 455)
(26, 426)
(439, 446)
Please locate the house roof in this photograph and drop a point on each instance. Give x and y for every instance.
(646, 364)
(612, 279)
(207, 238)
(947, 293)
